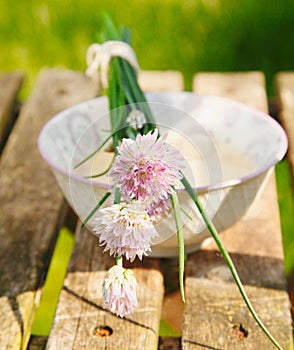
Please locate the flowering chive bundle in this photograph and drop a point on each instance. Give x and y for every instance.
(145, 172)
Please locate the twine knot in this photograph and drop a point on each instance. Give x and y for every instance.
(100, 55)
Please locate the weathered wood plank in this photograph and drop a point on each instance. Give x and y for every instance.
(80, 309)
(285, 94)
(10, 84)
(161, 80)
(244, 87)
(284, 85)
(214, 309)
(31, 204)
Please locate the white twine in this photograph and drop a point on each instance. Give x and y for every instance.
(99, 56)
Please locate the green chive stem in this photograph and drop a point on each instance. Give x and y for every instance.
(102, 200)
(228, 260)
(181, 248)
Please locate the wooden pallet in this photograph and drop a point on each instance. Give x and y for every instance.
(33, 210)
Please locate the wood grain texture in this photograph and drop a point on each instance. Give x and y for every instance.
(285, 94)
(31, 204)
(214, 309)
(10, 84)
(225, 321)
(80, 309)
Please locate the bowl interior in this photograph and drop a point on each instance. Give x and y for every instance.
(224, 142)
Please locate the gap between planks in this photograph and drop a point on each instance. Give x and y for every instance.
(10, 85)
(285, 93)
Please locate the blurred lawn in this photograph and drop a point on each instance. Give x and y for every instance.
(189, 36)
(286, 205)
(54, 281)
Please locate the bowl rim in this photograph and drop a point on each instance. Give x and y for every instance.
(220, 185)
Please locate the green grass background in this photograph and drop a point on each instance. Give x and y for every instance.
(189, 36)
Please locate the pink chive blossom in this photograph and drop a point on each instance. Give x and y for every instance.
(119, 291)
(158, 210)
(125, 229)
(146, 169)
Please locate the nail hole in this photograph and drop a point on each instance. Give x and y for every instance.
(102, 331)
(239, 332)
(61, 91)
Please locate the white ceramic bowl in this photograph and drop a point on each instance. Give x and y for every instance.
(230, 149)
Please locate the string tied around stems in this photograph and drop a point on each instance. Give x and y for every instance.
(99, 56)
